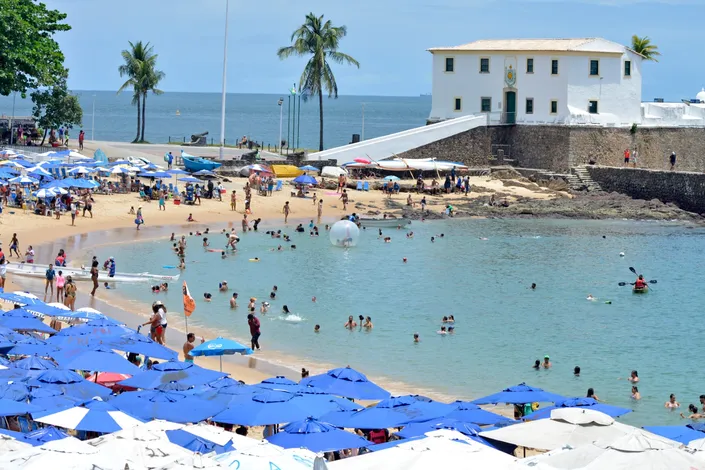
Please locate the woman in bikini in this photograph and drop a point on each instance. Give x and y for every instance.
(70, 293)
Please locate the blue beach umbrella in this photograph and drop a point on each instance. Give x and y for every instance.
(172, 371)
(305, 179)
(520, 394)
(219, 347)
(221, 383)
(14, 391)
(195, 443)
(227, 394)
(348, 383)
(44, 435)
(99, 328)
(140, 344)
(316, 436)
(177, 171)
(176, 407)
(94, 415)
(281, 383)
(391, 178)
(308, 168)
(471, 413)
(682, 434)
(31, 346)
(23, 162)
(68, 383)
(266, 407)
(189, 179)
(21, 320)
(99, 359)
(15, 408)
(119, 162)
(392, 412)
(203, 173)
(325, 403)
(18, 298)
(582, 403)
(154, 174)
(34, 363)
(51, 398)
(23, 180)
(46, 310)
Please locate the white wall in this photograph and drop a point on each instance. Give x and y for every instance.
(619, 97)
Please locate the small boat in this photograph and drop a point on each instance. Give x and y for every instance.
(389, 223)
(193, 163)
(640, 290)
(178, 113)
(79, 274)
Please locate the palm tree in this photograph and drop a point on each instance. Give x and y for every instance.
(644, 47)
(139, 67)
(320, 41)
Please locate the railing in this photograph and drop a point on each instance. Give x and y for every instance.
(498, 118)
(254, 145)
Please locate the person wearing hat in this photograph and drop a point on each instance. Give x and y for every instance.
(154, 322)
(264, 308)
(223, 286)
(546, 362)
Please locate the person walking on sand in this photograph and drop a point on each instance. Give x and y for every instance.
(74, 211)
(162, 203)
(286, 210)
(14, 244)
(344, 198)
(138, 217)
(673, 160)
(233, 201)
(188, 346)
(81, 136)
(94, 276)
(60, 282)
(254, 324)
(49, 275)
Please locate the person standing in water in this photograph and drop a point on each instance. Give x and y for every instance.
(547, 362)
(286, 210)
(320, 209)
(672, 403)
(94, 276)
(254, 324)
(351, 323)
(50, 275)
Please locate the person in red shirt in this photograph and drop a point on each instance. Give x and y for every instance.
(81, 136)
(640, 283)
(627, 154)
(254, 330)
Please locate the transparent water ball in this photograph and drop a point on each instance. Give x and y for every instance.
(344, 234)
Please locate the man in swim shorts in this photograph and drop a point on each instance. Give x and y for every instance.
(188, 347)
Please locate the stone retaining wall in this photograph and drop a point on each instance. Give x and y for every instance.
(685, 189)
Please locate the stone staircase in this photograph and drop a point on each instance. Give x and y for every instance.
(580, 180)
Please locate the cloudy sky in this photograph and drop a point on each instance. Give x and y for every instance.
(389, 38)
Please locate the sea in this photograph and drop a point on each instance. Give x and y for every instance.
(256, 116)
(480, 271)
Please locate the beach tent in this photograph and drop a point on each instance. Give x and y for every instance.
(285, 171)
(567, 426)
(635, 450)
(347, 382)
(100, 156)
(439, 450)
(316, 436)
(520, 394)
(582, 403)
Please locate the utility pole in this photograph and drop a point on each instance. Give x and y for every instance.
(281, 115)
(225, 70)
(362, 136)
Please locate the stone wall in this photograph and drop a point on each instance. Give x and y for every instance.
(559, 148)
(685, 189)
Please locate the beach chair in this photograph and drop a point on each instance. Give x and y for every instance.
(279, 185)
(366, 186)
(359, 186)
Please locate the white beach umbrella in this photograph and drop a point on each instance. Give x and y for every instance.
(59, 305)
(267, 457)
(86, 419)
(27, 295)
(7, 153)
(567, 426)
(636, 449)
(102, 169)
(23, 180)
(10, 444)
(67, 454)
(75, 154)
(438, 450)
(697, 444)
(80, 170)
(45, 193)
(11, 163)
(38, 170)
(221, 437)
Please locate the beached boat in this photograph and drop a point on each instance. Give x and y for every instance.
(640, 290)
(193, 163)
(389, 223)
(78, 274)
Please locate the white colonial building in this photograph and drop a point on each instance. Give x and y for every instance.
(538, 81)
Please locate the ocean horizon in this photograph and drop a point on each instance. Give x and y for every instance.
(256, 116)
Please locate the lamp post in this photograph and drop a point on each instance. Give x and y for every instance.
(362, 136)
(281, 115)
(225, 69)
(93, 121)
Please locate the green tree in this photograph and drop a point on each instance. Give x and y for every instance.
(644, 47)
(29, 56)
(55, 107)
(142, 77)
(320, 41)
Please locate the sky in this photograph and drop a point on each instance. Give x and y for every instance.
(388, 38)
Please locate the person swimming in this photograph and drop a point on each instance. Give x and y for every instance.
(444, 320)
(451, 319)
(207, 296)
(442, 331)
(537, 364)
(591, 394)
(350, 324)
(205, 242)
(223, 286)
(317, 329)
(368, 323)
(264, 308)
(285, 310)
(635, 393)
(233, 300)
(547, 362)
(576, 371)
(672, 403)
(591, 298)
(416, 338)
(533, 286)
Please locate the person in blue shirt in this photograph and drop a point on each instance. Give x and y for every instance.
(111, 268)
(170, 158)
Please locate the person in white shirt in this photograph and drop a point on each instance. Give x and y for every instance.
(159, 308)
(29, 255)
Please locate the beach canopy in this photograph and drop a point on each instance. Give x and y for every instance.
(100, 359)
(347, 382)
(471, 413)
(185, 373)
(189, 179)
(567, 426)
(94, 415)
(683, 434)
(176, 407)
(520, 394)
(305, 179)
(316, 436)
(265, 407)
(392, 412)
(582, 403)
(636, 449)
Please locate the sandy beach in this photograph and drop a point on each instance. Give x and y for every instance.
(111, 223)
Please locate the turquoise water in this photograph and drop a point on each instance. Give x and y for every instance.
(501, 325)
(254, 115)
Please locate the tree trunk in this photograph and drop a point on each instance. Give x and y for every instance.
(320, 112)
(45, 137)
(144, 106)
(137, 137)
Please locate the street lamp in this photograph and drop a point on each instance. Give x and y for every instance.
(281, 115)
(93, 121)
(362, 137)
(225, 69)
